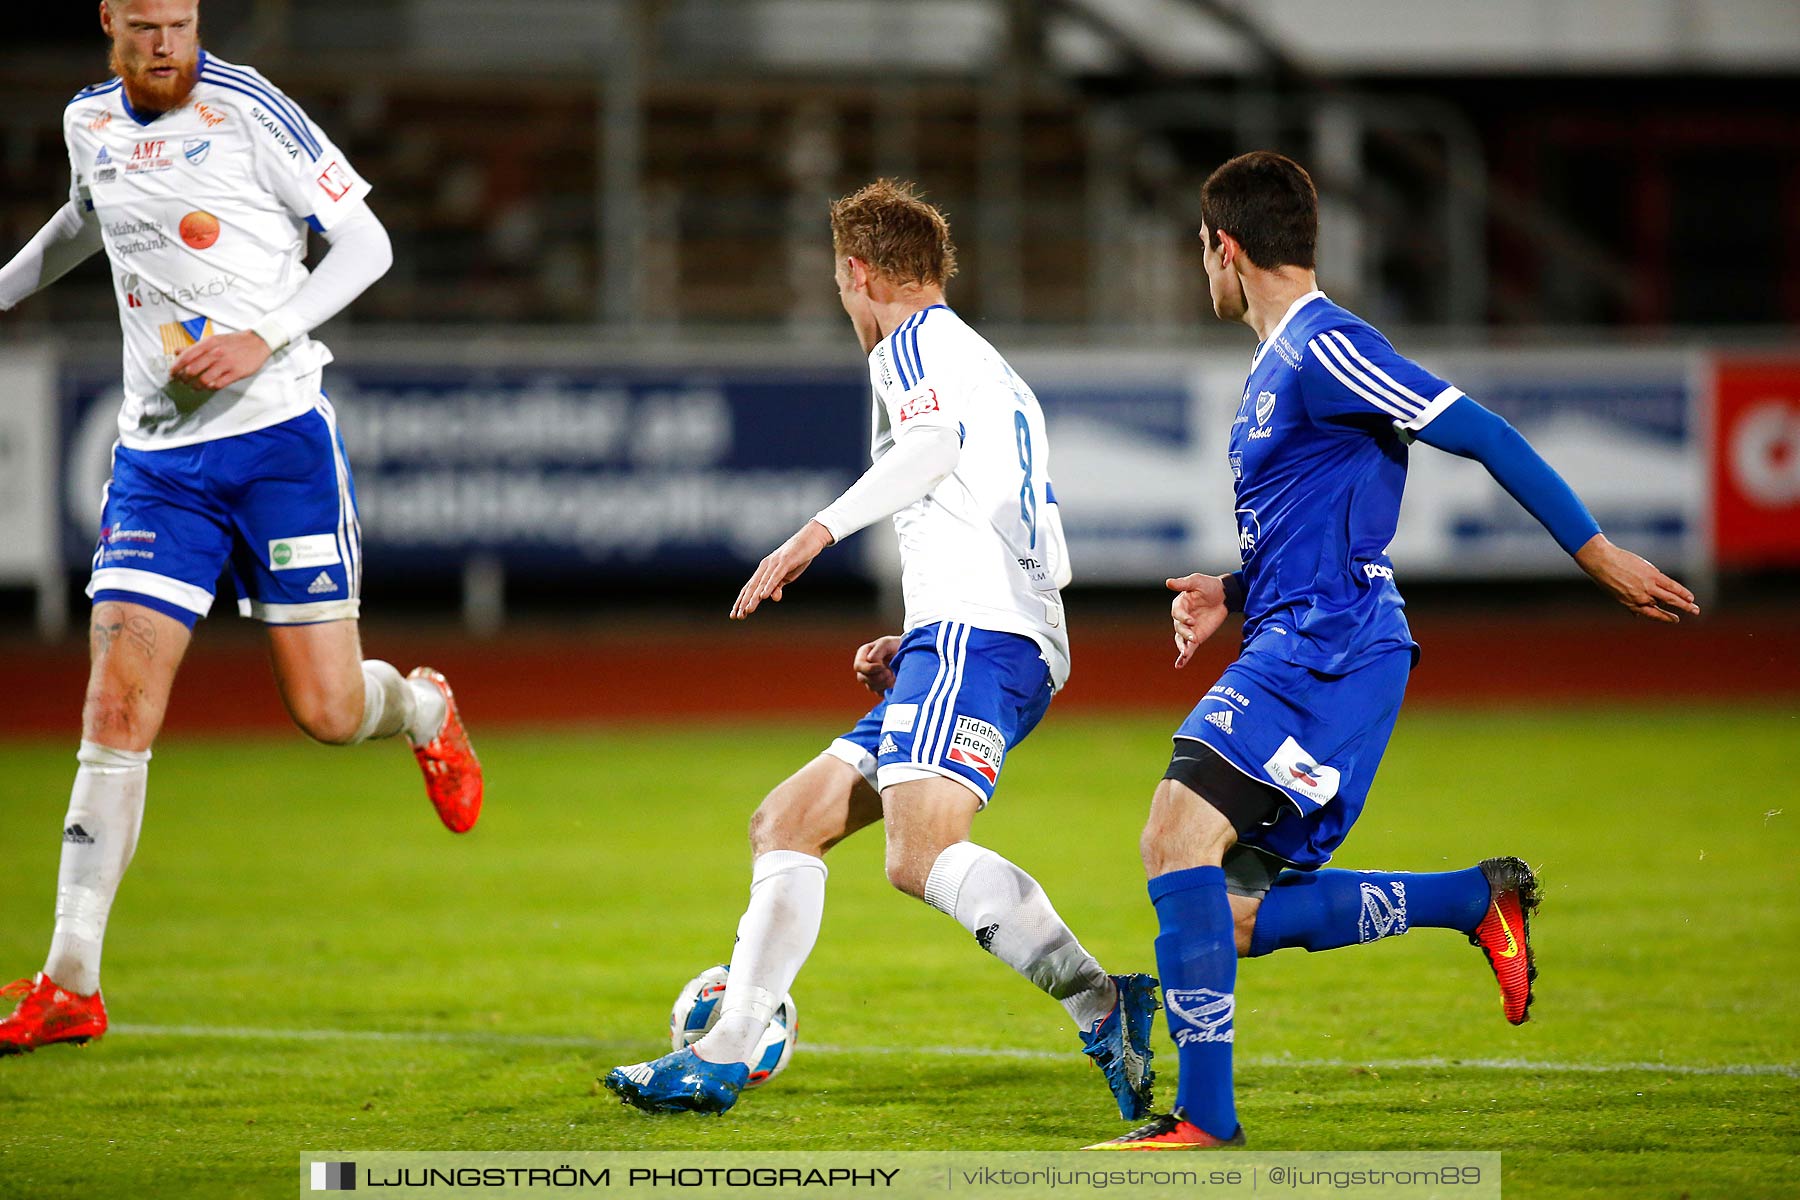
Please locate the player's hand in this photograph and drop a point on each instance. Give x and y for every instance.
(871, 663)
(781, 568)
(220, 361)
(1634, 582)
(1197, 610)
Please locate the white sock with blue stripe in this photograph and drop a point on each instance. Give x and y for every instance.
(1013, 920)
(774, 938)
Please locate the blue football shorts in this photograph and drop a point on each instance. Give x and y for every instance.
(962, 697)
(276, 507)
(1316, 738)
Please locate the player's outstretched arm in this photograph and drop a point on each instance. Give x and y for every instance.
(1635, 582)
(66, 239)
(918, 462)
(360, 254)
(871, 663)
(1467, 429)
(786, 564)
(1201, 604)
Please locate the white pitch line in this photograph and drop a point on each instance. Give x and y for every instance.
(477, 1037)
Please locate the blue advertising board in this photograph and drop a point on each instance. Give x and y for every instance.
(556, 470)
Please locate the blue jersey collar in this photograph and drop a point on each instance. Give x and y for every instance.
(1294, 308)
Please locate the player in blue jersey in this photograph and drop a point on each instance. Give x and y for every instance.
(1272, 767)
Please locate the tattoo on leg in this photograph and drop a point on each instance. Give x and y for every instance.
(111, 624)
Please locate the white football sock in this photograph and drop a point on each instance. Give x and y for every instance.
(393, 703)
(1013, 919)
(777, 932)
(100, 832)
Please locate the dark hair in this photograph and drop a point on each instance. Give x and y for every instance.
(891, 228)
(1268, 203)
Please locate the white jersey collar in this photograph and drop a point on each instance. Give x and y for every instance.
(1282, 324)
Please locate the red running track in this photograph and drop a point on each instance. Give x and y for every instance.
(784, 666)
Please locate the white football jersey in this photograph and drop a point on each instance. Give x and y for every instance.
(203, 211)
(984, 547)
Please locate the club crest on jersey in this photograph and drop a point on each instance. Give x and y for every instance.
(195, 150)
(1298, 771)
(1265, 408)
(979, 746)
(924, 400)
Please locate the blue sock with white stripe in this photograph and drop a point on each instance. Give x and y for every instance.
(1323, 910)
(1197, 956)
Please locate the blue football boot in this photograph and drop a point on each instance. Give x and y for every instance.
(679, 1082)
(1120, 1045)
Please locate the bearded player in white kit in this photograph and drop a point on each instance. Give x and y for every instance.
(961, 464)
(200, 179)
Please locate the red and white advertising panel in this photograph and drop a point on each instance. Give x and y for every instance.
(1756, 463)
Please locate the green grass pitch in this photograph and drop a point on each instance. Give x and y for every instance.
(302, 959)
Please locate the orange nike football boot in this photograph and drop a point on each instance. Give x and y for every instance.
(1172, 1131)
(452, 772)
(48, 1014)
(1504, 934)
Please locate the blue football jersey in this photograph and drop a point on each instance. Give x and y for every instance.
(1318, 456)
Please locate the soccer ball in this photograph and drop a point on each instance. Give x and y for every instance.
(697, 1010)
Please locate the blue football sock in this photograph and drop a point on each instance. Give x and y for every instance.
(1197, 956)
(1322, 910)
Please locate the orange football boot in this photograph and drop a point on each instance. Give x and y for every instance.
(452, 772)
(1504, 934)
(1171, 1132)
(48, 1014)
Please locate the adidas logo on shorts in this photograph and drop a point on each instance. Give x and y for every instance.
(1222, 719)
(324, 583)
(888, 746)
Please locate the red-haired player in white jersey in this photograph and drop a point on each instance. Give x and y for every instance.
(200, 180)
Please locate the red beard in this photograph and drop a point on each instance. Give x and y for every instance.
(156, 94)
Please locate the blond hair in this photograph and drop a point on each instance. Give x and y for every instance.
(896, 232)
